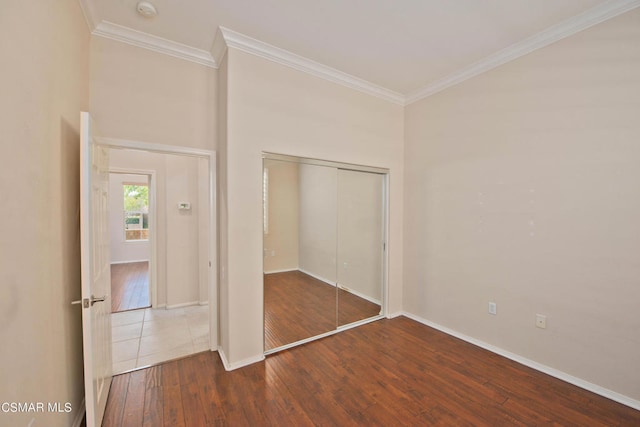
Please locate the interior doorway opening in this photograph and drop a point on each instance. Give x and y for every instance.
(130, 229)
(176, 223)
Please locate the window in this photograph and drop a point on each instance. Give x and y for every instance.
(136, 211)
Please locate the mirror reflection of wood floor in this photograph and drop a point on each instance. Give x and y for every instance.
(394, 372)
(298, 306)
(129, 286)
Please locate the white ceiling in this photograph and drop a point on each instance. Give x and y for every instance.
(403, 46)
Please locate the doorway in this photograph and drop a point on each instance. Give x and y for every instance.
(177, 225)
(130, 231)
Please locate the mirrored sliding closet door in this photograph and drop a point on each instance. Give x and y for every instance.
(324, 230)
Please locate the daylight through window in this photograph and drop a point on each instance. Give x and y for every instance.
(136, 212)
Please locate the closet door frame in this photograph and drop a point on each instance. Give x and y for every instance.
(385, 233)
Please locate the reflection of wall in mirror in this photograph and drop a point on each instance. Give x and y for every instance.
(327, 223)
(318, 198)
(360, 233)
(281, 240)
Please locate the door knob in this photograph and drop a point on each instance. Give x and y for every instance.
(98, 299)
(88, 302)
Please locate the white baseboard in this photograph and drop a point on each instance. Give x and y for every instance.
(246, 362)
(360, 295)
(286, 270)
(159, 306)
(223, 358)
(315, 276)
(182, 304)
(77, 421)
(203, 303)
(398, 314)
(604, 392)
(129, 261)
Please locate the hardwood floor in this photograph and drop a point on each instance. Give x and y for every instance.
(352, 308)
(298, 306)
(390, 372)
(129, 286)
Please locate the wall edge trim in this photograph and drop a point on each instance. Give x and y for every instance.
(147, 41)
(283, 57)
(229, 366)
(77, 421)
(182, 304)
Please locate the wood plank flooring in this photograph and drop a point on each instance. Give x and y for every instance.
(352, 308)
(389, 373)
(129, 286)
(298, 306)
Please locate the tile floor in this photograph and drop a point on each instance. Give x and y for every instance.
(153, 335)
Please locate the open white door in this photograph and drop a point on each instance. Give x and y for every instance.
(96, 272)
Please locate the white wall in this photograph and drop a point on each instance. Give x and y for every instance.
(44, 82)
(274, 108)
(281, 242)
(121, 250)
(521, 188)
(318, 221)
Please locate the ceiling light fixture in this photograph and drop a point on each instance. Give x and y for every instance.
(146, 9)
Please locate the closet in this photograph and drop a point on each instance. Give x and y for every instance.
(324, 247)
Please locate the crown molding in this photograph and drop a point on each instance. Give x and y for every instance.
(219, 47)
(284, 57)
(89, 13)
(228, 38)
(157, 44)
(544, 38)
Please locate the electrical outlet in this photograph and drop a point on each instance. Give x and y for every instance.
(493, 308)
(541, 321)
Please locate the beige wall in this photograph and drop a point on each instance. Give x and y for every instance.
(143, 95)
(203, 228)
(318, 217)
(44, 84)
(183, 235)
(281, 240)
(277, 109)
(221, 205)
(521, 188)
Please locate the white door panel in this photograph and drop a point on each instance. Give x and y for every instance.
(96, 273)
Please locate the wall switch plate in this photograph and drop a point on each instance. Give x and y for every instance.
(493, 308)
(541, 321)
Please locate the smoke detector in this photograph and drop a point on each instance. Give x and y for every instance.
(146, 9)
